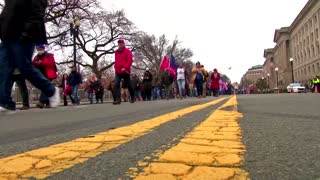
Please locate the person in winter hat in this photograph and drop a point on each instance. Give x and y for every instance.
(122, 66)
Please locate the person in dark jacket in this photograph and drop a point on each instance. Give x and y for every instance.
(147, 84)
(167, 80)
(122, 66)
(98, 90)
(75, 80)
(135, 83)
(21, 27)
(45, 62)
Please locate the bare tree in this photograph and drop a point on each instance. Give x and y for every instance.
(151, 51)
(97, 39)
(59, 11)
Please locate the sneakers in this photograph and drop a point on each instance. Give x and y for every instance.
(6, 111)
(55, 99)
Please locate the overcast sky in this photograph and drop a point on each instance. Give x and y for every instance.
(221, 33)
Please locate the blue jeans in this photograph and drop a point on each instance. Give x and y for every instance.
(90, 97)
(182, 87)
(199, 86)
(75, 89)
(18, 54)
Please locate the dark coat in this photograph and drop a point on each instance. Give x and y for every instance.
(135, 83)
(98, 88)
(167, 79)
(74, 78)
(147, 80)
(24, 19)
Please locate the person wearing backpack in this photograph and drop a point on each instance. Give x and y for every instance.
(46, 64)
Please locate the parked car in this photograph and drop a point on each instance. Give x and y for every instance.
(296, 88)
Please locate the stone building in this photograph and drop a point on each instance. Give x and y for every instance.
(269, 68)
(299, 42)
(305, 48)
(251, 77)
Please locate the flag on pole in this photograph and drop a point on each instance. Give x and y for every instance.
(230, 68)
(173, 67)
(173, 63)
(165, 63)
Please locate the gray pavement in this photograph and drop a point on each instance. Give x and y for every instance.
(36, 128)
(282, 135)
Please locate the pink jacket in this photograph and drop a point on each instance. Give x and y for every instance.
(123, 59)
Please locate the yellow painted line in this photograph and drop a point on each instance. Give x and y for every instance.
(44, 162)
(213, 150)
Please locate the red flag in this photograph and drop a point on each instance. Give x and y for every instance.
(165, 63)
(172, 72)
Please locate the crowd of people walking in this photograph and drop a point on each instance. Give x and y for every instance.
(21, 33)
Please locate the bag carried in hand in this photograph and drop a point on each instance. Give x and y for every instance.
(67, 90)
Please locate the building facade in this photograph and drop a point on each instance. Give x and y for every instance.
(301, 43)
(305, 46)
(269, 68)
(251, 77)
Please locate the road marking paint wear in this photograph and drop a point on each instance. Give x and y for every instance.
(213, 150)
(44, 162)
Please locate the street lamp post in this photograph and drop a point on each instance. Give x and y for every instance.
(277, 69)
(291, 63)
(263, 83)
(74, 30)
(268, 75)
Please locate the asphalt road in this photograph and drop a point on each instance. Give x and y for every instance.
(281, 134)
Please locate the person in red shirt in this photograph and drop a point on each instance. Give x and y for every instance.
(45, 62)
(215, 77)
(122, 66)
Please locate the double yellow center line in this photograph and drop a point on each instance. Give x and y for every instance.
(213, 150)
(47, 161)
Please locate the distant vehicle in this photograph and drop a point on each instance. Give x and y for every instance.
(296, 88)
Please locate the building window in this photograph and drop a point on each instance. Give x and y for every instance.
(306, 30)
(313, 68)
(317, 33)
(305, 71)
(312, 51)
(296, 74)
(312, 39)
(318, 64)
(309, 70)
(318, 48)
